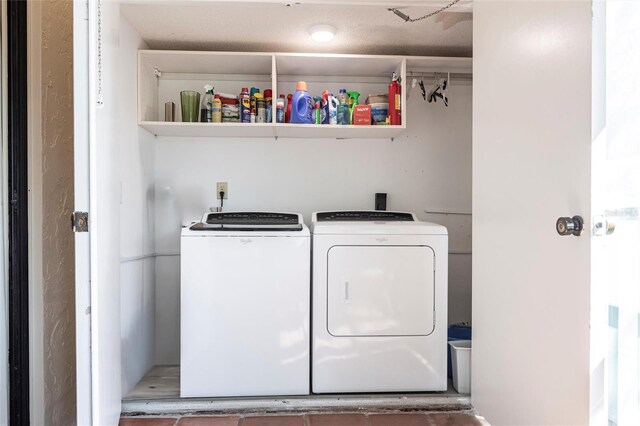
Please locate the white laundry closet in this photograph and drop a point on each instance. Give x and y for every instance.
(153, 177)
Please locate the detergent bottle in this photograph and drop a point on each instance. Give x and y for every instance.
(301, 105)
(354, 98)
(343, 108)
(287, 114)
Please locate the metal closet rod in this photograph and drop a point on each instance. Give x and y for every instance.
(455, 76)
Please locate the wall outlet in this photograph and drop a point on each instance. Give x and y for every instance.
(222, 186)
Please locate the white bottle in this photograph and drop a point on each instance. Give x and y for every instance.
(333, 108)
(207, 101)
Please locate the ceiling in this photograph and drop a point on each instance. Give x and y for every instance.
(269, 26)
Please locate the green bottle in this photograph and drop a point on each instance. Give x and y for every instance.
(318, 113)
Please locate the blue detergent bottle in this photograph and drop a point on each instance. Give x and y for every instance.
(302, 105)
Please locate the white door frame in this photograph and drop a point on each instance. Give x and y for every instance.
(82, 116)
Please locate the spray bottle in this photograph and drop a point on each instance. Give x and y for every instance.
(343, 108)
(207, 103)
(354, 98)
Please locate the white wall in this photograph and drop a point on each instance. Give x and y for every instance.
(137, 265)
(427, 168)
(531, 164)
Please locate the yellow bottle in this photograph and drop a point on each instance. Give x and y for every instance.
(216, 110)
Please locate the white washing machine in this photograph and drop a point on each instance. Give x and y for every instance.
(379, 303)
(245, 305)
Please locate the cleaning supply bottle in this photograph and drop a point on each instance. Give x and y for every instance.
(268, 98)
(354, 98)
(207, 102)
(343, 107)
(318, 113)
(216, 110)
(301, 105)
(287, 114)
(394, 100)
(252, 97)
(332, 103)
(325, 107)
(245, 106)
(280, 109)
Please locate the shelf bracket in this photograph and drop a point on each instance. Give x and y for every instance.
(157, 72)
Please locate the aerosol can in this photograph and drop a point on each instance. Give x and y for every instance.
(395, 90)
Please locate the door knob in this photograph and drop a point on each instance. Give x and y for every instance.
(570, 225)
(601, 226)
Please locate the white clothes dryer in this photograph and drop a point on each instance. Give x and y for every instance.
(379, 310)
(245, 305)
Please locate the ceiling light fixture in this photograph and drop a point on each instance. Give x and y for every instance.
(322, 33)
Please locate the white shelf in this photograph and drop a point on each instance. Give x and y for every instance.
(334, 131)
(439, 64)
(162, 74)
(300, 64)
(200, 62)
(212, 130)
(268, 130)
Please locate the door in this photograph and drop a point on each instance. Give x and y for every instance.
(380, 291)
(96, 192)
(616, 201)
(531, 165)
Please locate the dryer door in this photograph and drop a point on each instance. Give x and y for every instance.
(380, 290)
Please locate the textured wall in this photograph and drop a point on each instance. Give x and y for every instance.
(57, 205)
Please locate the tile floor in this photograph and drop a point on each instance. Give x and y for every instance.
(342, 419)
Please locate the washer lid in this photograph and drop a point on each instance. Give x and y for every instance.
(249, 221)
(372, 222)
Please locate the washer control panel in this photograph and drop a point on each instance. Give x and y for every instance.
(249, 221)
(364, 216)
(252, 218)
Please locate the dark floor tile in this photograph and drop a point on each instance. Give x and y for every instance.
(272, 421)
(398, 420)
(209, 421)
(337, 420)
(147, 421)
(457, 419)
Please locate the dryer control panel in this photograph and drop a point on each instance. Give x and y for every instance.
(365, 216)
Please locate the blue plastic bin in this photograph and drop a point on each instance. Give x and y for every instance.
(456, 332)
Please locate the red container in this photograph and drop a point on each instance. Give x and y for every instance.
(394, 102)
(268, 96)
(362, 115)
(287, 114)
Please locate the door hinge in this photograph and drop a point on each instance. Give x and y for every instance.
(80, 222)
